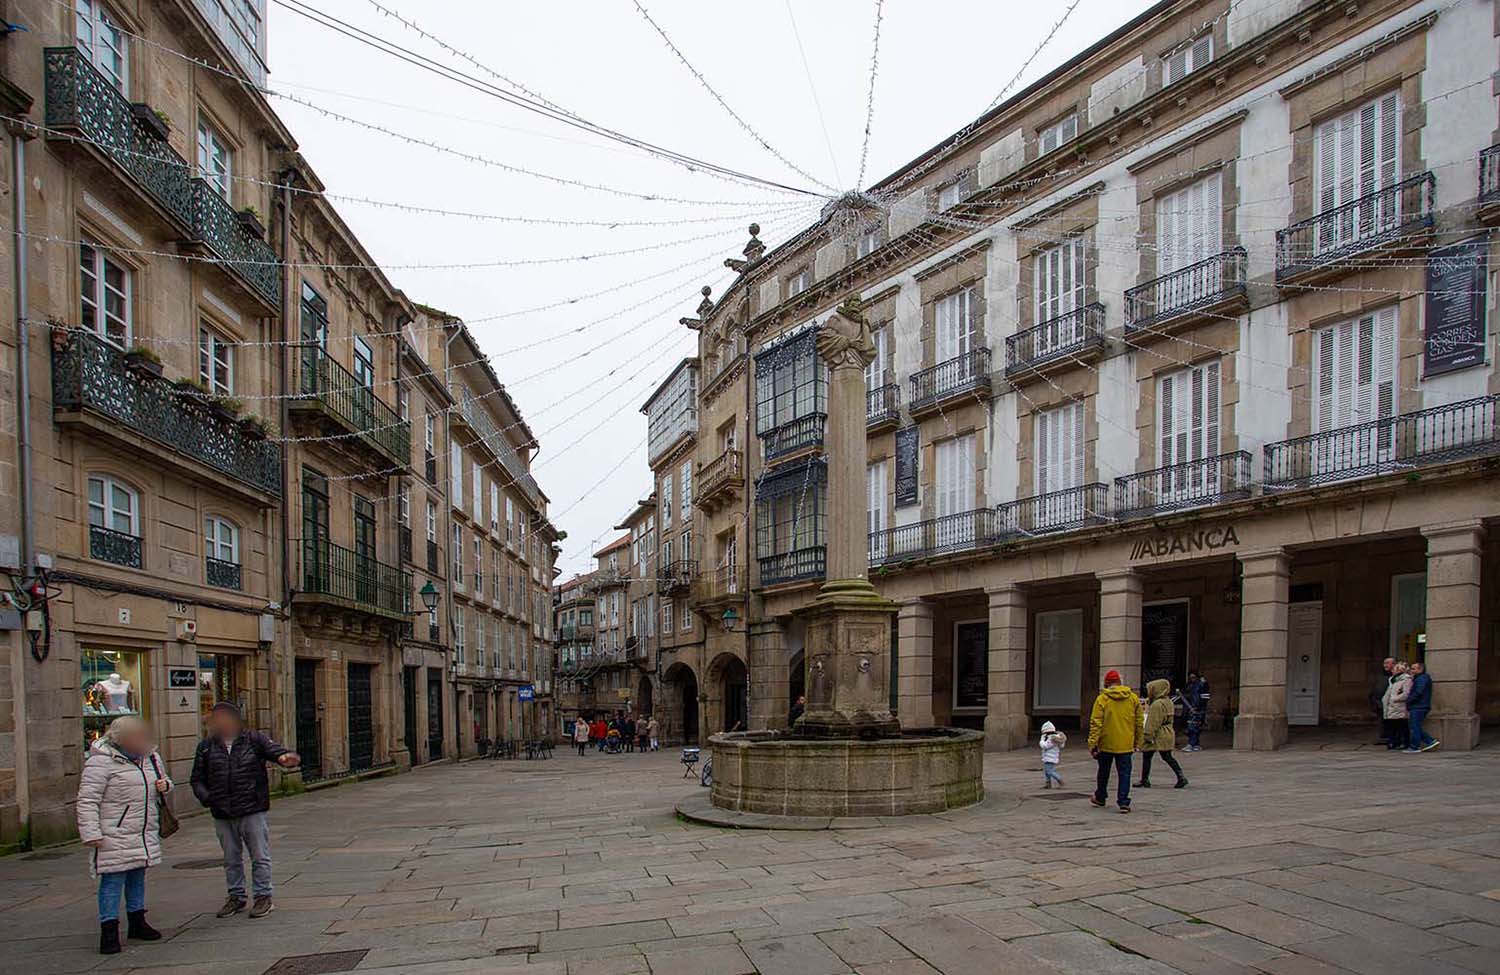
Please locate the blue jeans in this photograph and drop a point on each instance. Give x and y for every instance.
(1049, 773)
(1194, 729)
(1415, 736)
(131, 882)
(1122, 763)
(248, 834)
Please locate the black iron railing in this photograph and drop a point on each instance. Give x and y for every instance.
(1372, 220)
(1212, 281)
(798, 564)
(1437, 435)
(403, 543)
(432, 556)
(1067, 510)
(801, 433)
(121, 548)
(225, 575)
(326, 569)
(90, 375)
(964, 531)
(676, 576)
(433, 633)
(1057, 338)
(498, 443)
(320, 379)
(81, 101)
(883, 404)
(723, 472)
(1193, 484)
(217, 225)
(967, 373)
(1489, 175)
(429, 464)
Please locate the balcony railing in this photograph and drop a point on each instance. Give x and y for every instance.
(81, 101)
(1057, 338)
(225, 575)
(432, 556)
(403, 543)
(1489, 175)
(323, 381)
(89, 375)
(793, 566)
(799, 434)
(676, 576)
(497, 443)
(326, 569)
(1437, 435)
(121, 548)
(961, 532)
(883, 405)
(722, 582)
(217, 225)
(429, 465)
(1193, 484)
(967, 373)
(1193, 289)
(1067, 510)
(1373, 220)
(723, 473)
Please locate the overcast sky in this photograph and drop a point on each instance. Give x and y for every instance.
(580, 371)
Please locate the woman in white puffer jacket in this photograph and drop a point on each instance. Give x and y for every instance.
(118, 818)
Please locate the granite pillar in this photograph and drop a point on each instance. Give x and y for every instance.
(1261, 721)
(1452, 654)
(914, 648)
(1005, 720)
(1120, 626)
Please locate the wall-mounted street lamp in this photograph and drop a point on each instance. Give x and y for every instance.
(730, 620)
(429, 595)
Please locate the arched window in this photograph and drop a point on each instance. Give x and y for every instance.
(114, 522)
(221, 552)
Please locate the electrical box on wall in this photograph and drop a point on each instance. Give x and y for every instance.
(187, 630)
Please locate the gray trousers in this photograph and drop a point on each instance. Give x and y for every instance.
(250, 834)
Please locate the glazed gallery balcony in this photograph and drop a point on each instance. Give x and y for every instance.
(1344, 237)
(331, 574)
(1211, 289)
(1193, 484)
(94, 388)
(965, 376)
(803, 433)
(796, 565)
(326, 389)
(129, 141)
(1077, 336)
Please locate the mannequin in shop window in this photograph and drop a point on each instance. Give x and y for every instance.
(116, 693)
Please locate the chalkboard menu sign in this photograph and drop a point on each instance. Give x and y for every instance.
(971, 665)
(907, 442)
(1164, 642)
(1456, 277)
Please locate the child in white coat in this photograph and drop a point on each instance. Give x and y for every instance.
(1052, 743)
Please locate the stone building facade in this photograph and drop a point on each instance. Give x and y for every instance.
(1185, 360)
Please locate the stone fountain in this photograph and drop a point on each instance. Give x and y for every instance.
(847, 755)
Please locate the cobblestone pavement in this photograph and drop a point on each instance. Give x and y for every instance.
(1312, 861)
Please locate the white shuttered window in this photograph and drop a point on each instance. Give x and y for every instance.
(1187, 59)
(954, 462)
(1187, 402)
(955, 316)
(1355, 383)
(1189, 224)
(1059, 465)
(875, 487)
(1356, 154)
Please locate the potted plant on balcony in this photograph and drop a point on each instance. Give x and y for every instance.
(250, 219)
(192, 391)
(143, 362)
(153, 120)
(225, 407)
(254, 427)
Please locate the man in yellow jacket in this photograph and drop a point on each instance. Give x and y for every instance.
(1115, 735)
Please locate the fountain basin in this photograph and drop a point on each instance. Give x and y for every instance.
(926, 770)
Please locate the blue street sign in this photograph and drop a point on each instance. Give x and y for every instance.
(525, 693)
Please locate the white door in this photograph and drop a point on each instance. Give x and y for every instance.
(1304, 658)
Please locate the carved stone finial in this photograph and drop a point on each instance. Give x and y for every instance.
(705, 306)
(754, 249)
(844, 339)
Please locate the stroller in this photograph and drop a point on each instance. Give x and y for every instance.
(612, 742)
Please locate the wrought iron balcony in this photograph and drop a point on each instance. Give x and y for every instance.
(225, 575)
(721, 479)
(1066, 338)
(82, 103)
(403, 543)
(121, 548)
(1377, 219)
(1071, 509)
(794, 566)
(1438, 435)
(965, 375)
(965, 531)
(325, 386)
(1198, 290)
(883, 406)
(724, 583)
(472, 412)
(218, 226)
(1193, 484)
(789, 438)
(1489, 178)
(340, 575)
(676, 576)
(432, 557)
(89, 376)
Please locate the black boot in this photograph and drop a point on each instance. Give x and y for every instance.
(1181, 782)
(109, 937)
(139, 930)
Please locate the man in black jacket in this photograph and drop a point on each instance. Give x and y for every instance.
(229, 777)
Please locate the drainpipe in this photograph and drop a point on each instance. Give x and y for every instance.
(18, 139)
(283, 386)
(458, 734)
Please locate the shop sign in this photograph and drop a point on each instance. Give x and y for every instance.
(1455, 307)
(1183, 542)
(179, 678)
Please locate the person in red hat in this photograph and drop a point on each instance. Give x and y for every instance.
(1115, 735)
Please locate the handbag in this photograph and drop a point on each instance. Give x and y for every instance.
(166, 819)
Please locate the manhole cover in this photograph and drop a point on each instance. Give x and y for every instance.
(1060, 796)
(200, 865)
(328, 961)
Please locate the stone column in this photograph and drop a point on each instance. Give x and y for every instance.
(1005, 721)
(914, 650)
(1452, 658)
(1261, 722)
(1120, 625)
(768, 660)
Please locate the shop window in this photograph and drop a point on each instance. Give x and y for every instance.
(1059, 660)
(219, 681)
(114, 684)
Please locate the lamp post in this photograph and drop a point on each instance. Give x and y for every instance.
(429, 595)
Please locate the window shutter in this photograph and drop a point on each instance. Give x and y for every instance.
(1166, 406)
(1075, 448)
(1326, 370)
(1044, 452)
